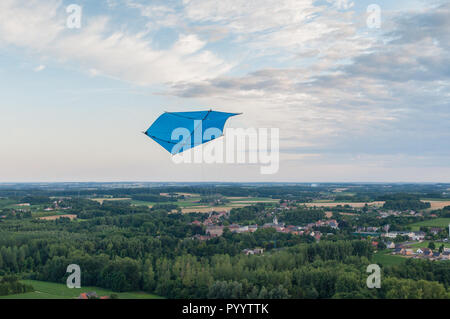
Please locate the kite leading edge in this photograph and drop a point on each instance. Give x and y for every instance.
(177, 132)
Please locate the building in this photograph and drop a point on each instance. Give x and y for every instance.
(427, 252)
(436, 254)
(412, 235)
(214, 231)
(419, 235)
(275, 224)
(201, 237)
(241, 229)
(91, 295)
(256, 251)
(435, 230)
(408, 252)
(88, 295)
(390, 245)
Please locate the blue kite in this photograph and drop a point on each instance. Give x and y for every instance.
(179, 131)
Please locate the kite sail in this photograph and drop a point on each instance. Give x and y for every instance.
(179, 131)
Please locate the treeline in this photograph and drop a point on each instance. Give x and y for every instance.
(248, 215)
(256, 215)
(419, 270)
(124, 248)
(406, 204)
(299, 272)
(445, 212)
(301, 216)
(153, 198)
(36, 200)
(353, 199)
(10, 285)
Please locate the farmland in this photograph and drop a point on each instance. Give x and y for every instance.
(124, 246)
(54, 217)
(352, 204)
(438, 204)
(437, 222)
(191, 203)
(384, 258)
(50, 290)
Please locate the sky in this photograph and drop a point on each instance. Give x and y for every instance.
(353, 102)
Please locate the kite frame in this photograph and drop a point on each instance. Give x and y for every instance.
(192, 132)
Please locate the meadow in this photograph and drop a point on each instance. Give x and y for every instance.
(437, 222)
(424, 244)
(384, 258)
(51, 290)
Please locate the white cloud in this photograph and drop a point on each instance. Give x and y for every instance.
(118, 54)
(336, 90)
(357, 96)
(39, 68)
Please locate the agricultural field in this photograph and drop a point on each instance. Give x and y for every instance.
(192, 203)
(235, 202)
(437, 222)
(54, 217)
(6, 203)
(334, 204)
(50, 290)
(437, 204)
(384, 258)
(101, 200)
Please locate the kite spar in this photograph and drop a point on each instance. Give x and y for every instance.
(164, 130)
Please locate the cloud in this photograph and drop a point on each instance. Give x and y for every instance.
(39, 68)
(40, 29)
(386, 96)
(335, 88)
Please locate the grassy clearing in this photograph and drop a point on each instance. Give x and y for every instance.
(352, 204)
(384, 258)
(50, 290)
(101, 200)
(437, 222)
(424, 244)
(6, 203)
(253, 199)
(192, 204)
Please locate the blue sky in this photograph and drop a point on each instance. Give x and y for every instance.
(352, 103)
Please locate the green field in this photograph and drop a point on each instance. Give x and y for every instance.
(437, 222)
(6, 203)
(193, 202)
(384, 258)
(50, 290)
(424, 244)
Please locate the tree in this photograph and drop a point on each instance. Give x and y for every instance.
(431, 245)
(148, 277)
